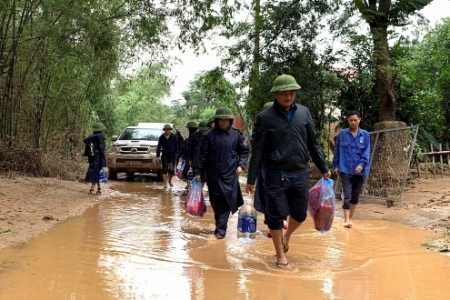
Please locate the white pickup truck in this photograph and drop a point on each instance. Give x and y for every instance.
(134, 151)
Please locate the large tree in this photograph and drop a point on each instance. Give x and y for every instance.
(380, 16)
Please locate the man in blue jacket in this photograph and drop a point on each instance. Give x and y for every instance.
(351, 162)
(282, 140)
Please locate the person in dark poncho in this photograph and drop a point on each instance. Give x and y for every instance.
(185, 151)
(95, 143)
(195, 144)
(223, 155)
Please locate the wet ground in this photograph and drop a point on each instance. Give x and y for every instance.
(139, 244)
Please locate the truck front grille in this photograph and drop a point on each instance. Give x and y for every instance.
(133, 150)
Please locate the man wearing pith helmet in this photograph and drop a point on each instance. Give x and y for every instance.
(185, 153)
(223, 155)
(194, 144)
(282, 137)
(167, 148)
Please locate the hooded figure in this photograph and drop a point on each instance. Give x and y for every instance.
(223, 155)
(96, 156)
(185, 150)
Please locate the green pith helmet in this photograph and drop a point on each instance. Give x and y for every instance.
(284, 83)
(203, 126)
(224, 113)
(167, 126)
(191, 124)
(98, 127)
(267, 105)
(210, 120)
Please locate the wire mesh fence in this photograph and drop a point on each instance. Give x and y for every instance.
(391, 152)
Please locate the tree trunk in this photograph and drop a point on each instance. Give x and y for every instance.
(384, 77)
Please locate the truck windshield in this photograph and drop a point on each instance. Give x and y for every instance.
(146, 134)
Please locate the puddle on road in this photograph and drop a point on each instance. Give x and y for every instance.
(139, 244)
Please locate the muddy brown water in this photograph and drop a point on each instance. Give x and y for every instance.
(139, 244)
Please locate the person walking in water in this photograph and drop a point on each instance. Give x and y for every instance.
(96, 157)
(195, 144)
(223, 155)
(351, 163)
(166, 151)
(283, 136)
(185, 152)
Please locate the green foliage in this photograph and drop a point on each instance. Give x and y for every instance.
(137, 99)
(380, 16)
(208, 91)
(424, 83)
(283, 39)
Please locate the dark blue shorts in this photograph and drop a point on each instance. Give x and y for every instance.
(351, 188)
(168, 163)
(286, 197)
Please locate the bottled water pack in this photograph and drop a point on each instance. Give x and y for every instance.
(246, 228)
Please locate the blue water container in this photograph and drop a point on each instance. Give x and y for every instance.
(103, 176)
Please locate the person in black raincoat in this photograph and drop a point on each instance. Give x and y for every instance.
(95, 151)
(185, 151)
(223, 154)
(194, 144)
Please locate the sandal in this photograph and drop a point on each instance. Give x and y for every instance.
(284, 266)
(91, 192)
(99, 191)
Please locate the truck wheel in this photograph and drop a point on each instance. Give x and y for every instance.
(159, 175)
(112, 174)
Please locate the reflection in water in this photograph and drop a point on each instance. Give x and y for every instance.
(146, 253)
(139, 244)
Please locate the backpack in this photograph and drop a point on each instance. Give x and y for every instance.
(88, 149)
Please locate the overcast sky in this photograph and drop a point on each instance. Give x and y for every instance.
(191, 64)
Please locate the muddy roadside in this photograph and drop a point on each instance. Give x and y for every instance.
(30, 206)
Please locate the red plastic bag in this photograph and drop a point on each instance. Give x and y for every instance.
(195, 201)
(321, 204)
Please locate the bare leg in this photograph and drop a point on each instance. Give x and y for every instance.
(277, 236)
(346, 216)
(351, 213)
(292, 226)
(91, 191)
(165, 180)
(170, 180)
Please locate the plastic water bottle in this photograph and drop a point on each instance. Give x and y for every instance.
(103, 176)
(190, 174)
(246, 228)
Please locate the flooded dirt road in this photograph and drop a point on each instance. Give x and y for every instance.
(139, 244)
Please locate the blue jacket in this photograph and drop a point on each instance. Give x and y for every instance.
(350, 152)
